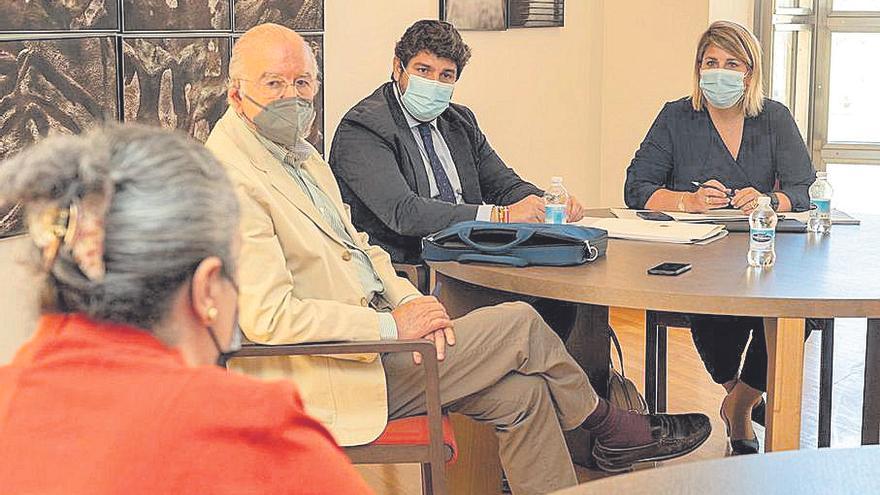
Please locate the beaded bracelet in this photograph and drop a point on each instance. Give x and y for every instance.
(500, 214)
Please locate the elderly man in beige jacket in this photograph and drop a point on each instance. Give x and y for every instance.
(307, 275)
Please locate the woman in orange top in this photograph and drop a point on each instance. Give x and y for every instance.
(116, 393)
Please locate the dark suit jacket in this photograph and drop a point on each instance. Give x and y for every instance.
(382, 177)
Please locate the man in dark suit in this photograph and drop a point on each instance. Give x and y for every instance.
(410, 163)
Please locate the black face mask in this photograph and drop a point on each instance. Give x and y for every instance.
(235, 342)
(234, 345)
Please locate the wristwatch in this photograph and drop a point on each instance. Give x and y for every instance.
(774, 201)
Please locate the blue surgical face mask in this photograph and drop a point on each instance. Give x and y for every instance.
(425, 99)
(723, 88)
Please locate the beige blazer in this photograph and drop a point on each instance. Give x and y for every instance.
(298, 285)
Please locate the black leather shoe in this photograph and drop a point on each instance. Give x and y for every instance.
(741, 447)
(674, 435)
(744, 447)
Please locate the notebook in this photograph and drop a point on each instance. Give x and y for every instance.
(645, 230)
(784, 225)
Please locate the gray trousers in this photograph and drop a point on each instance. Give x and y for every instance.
(509, 369)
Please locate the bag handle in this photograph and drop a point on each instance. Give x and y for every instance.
(490, 258)
(619, 350)
(522, 235)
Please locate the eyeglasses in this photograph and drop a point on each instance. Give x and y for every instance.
(275, 87)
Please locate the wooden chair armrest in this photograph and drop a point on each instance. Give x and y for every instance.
(418, 275)
(422, 346)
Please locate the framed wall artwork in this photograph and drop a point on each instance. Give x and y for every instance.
(299, 15)
(536, 13)
(177, 83)
(498, 15)
(181, 15)
(52, 15)
(475, 15)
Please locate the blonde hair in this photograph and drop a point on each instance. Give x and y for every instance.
(740, 42)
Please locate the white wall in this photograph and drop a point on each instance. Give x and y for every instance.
(741, 11)
(648, 61)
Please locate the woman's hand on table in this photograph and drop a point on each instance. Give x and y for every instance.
(708, 198)
(746, 199)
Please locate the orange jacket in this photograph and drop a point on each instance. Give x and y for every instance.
(101, 408)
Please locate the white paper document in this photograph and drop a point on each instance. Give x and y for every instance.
(652, 231)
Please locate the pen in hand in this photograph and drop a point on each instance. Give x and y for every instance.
(729, 195)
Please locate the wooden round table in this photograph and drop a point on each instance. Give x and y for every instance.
(837, 275)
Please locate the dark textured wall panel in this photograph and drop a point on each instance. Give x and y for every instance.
(301, 15)
(175, 82)
(316, 137)
(62, 85)
(175, 15)
(45, 15)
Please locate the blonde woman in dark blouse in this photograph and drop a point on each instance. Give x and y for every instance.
(729, 136)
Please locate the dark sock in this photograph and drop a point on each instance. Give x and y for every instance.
(617, 428)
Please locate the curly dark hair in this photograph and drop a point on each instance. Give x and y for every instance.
(437, 37)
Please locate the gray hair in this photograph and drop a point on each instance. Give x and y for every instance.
(171, 206)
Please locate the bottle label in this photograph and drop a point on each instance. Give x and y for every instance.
(762, 239)
(822, 207)
(554, 214)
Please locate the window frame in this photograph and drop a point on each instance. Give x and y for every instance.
(823, 22)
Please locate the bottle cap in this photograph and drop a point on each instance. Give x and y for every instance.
(821, 175)
(764, 201)
(556, 180)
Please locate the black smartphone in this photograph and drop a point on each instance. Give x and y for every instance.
(657, 216)
(669, 269)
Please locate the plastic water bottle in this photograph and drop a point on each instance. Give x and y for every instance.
(555, 202)
(762, 234)
(820, 205)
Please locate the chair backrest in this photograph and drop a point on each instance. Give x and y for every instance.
(418, 275)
